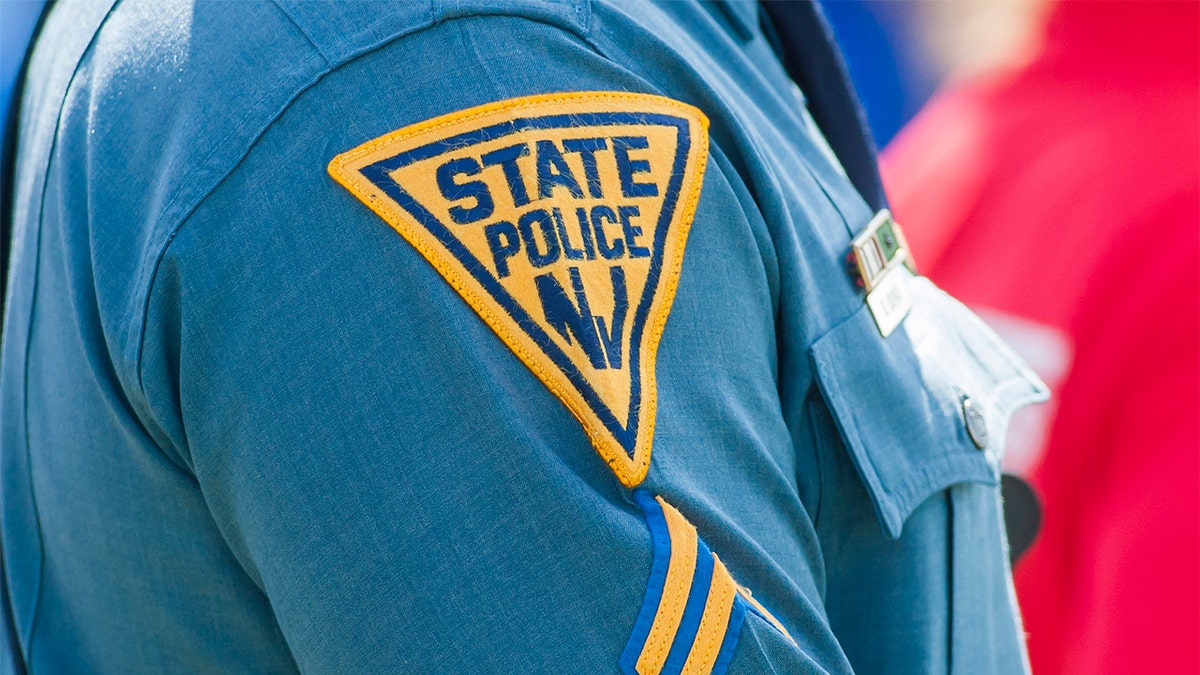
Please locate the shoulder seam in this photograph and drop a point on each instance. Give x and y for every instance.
(303, 31)
(148, 276)
(144, 285)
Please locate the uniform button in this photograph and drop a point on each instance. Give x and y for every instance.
(976, 424)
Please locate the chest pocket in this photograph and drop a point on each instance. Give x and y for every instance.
(925, 408)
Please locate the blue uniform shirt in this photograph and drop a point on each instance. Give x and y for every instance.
(255, 421)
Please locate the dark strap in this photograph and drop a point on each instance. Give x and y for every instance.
(11, 660)
(807, 49)
(1022, 515)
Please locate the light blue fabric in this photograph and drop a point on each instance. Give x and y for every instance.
(247, 427)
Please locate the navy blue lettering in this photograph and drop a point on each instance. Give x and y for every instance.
(502, 238)
(587, 147)
(585, 228)
(569, 319)
(601, 213)
(632, 231)
(454, 191)
(538, 258)
(507, 159)
(611, 338)
(553, 170)
(563, 237)
(627, 167)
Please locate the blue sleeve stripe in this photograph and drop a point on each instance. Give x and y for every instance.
(736, 617)
(661, 540)
(683, 638)
(693, 612)
(754, 610)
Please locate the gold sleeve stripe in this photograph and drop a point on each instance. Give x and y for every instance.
(693, 611)
(675, 591)
(711, 634)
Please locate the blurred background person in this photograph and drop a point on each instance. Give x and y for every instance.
(890, 72)
(898, 53)
(1052, 184)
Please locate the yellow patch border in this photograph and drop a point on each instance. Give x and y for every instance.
(344, 168)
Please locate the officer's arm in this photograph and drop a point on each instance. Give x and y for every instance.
(407, 491)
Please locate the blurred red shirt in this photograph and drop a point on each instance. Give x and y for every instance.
(1061, 201)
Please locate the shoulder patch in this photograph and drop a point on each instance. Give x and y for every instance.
(561, 220)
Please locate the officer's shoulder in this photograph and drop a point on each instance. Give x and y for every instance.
(183, 92)
(341, 31)
(215, 75)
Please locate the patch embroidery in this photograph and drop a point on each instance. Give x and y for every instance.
(562, 220)
(693, 611)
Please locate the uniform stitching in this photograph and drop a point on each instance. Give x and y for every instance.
(721, 583)
(673, 611)
(146, 279)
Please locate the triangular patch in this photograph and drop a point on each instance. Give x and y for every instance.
(562, 220)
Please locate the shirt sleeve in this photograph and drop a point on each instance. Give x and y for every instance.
(408, 494)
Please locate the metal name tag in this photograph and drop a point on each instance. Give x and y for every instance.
(878, 253)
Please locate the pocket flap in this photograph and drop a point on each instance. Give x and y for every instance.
(903, 404)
